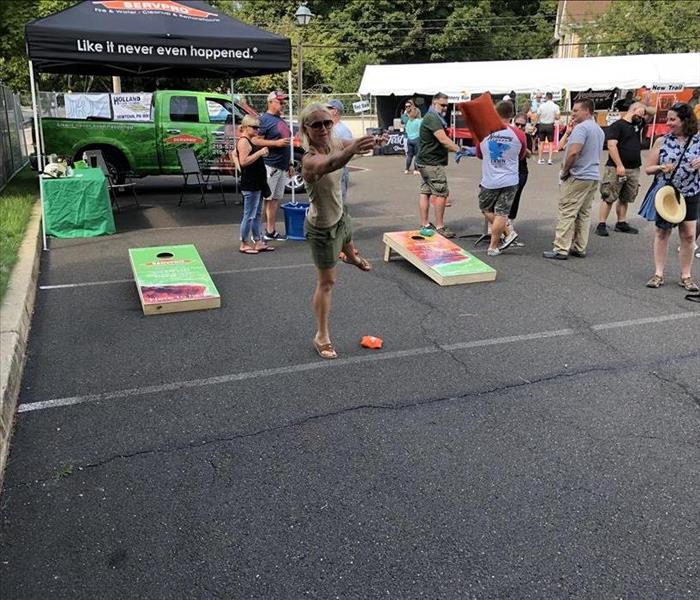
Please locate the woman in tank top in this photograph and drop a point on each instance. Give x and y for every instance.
(327, 225)
(253, 181)
(682, 140)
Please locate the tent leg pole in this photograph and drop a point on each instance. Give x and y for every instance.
(39, 154)
(291, 132)
(653, 125)
(235, 140)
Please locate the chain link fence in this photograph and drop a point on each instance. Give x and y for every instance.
(358, 123)
(13, 139)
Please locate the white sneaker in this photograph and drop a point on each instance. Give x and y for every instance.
(508, 240)
(549, 162)
(405, 172)
(493, 252)
(540, 162)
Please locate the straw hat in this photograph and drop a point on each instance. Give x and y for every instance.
(670, 207)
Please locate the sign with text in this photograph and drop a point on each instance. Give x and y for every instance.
(667, 87)
(82, 106)
(602, 99)
(361, 106)
(131, 107)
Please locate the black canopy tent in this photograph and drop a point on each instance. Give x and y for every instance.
(185, 38)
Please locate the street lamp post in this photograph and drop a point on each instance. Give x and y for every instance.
(303, 17)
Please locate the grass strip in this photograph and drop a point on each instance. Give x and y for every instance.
(16, 202)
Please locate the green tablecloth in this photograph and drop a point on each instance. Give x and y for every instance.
(78, 206)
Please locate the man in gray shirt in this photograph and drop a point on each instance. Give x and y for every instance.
(580, 175)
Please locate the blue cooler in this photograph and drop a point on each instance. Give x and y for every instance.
(294, 214)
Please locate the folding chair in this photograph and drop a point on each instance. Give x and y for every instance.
(190, 166)
(112, 185)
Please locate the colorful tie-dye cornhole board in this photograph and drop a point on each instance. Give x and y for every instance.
(443, 261)
(172, 279)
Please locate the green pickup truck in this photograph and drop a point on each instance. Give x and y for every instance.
(180, 119)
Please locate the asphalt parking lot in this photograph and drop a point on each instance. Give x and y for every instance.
(534, 437)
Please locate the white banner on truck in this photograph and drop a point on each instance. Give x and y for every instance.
(131, 107)
(82, 106)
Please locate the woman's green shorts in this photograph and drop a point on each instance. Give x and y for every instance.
(327, 242)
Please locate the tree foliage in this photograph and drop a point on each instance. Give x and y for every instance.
(346, 35)
(643, 27)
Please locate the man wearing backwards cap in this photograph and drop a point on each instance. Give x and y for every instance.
(274, 135)
(341, 130)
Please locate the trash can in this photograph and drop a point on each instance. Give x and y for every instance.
(294, 214)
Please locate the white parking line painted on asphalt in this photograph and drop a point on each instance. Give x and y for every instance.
(63, 286)
(644, 321)
(341, 362)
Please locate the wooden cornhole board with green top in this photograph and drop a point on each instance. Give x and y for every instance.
(443, 261)
(172, 279)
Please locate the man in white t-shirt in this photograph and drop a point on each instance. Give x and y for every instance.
(500, 152)
(547, 115)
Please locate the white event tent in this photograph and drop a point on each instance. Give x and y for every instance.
(499, 77)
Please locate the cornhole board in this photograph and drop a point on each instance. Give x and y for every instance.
(172, 279)
(443, 261)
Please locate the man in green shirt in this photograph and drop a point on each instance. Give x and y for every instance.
(431, 162)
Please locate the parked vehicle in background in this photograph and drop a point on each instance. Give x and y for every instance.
(178, 119)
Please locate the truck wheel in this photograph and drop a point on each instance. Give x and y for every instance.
(296, 181)
(117, 165)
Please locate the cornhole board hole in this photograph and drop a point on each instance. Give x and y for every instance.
(443, 261)
(172, 279)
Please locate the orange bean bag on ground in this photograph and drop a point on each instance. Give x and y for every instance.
(481, 116)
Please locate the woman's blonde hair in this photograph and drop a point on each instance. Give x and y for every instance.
(304, 119)
(250, 121)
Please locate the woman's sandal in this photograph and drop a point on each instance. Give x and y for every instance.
(326, 351)
(263, 248)
(688, 284)
(247, 250)
(655, 282)
(358, 262)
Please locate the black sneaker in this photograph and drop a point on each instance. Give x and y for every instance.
(446, 232)
(602, 230)
(624, 227)
(274, 237)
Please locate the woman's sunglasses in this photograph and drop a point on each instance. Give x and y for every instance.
(521, 125)
(317, 125)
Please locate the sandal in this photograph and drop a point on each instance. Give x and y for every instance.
(262, 247)
(359, 262)
(326, 351)
(247, 250)
(688, 284)
(655, 282)
(342, 256)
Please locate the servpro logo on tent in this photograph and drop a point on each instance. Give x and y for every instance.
(183, 138)
(164, 7)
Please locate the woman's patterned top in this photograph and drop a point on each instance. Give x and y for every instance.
(686, 180)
